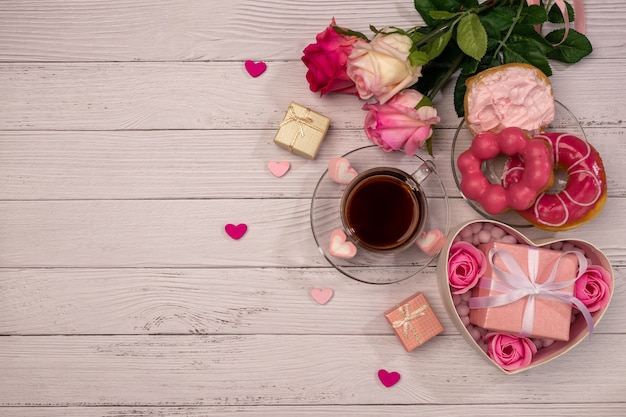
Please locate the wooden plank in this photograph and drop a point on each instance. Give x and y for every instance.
(162, 30)
(237, 370)
(190, 233)
(435, 410)
(220, 95)
(217, 301)
(201, 164)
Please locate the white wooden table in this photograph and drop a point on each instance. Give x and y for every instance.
(130, 134)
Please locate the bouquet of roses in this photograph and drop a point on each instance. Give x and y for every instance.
(400, 71)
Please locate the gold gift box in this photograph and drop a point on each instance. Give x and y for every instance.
(302, 131)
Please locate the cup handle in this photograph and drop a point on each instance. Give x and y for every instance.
(421, 173)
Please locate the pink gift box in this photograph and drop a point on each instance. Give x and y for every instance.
(414, 321)
(552, 318)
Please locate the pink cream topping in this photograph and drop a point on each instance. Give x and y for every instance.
(512, 98)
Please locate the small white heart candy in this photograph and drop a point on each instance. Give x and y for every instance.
(340, 170)
(339, 247)
(431, 242)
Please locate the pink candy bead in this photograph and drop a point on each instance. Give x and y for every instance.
(474, 332)
(484, 236)
(476, 227)
(456, 299)
(465, 320)
(463, 309)
(497, 233)
(466, 232)
(509, 239)
(556, 245)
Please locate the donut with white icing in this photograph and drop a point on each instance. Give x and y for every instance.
(584, 194)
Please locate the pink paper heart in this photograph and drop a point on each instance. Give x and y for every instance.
(278, 168)
(339, 247)
(322, 295)
(340, 171)
(389, 379)
(431, 242)
(255, 68)
(236, 231)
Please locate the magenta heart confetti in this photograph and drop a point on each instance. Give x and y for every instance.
(389, 379)
(236, 231)
(255, 68)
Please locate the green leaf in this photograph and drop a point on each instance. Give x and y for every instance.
(572, 50)
(469, 66)
(424, 7)
(533, 15)
(500, 18)
(418, 58)
(472, 37)
(459, 95)
(470, 4)
(528, 53)
(555, 15)
(435, 47)
(524, 32)
(443, 15)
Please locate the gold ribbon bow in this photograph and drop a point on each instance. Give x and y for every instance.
(407, 317)
(300, 121)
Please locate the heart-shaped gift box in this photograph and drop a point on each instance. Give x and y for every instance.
(578, 330)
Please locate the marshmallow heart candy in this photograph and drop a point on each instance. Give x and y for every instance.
(339, 246)
(340, 171)
(578, 329)
(431, 242)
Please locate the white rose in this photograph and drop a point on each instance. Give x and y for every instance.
(381, 68)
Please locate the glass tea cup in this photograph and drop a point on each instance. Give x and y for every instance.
(384, 209)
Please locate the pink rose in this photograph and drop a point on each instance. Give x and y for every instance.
(381, 68)
(398, 124)
(510, 352)
(327, 62)
(593, 288)
(466, 265)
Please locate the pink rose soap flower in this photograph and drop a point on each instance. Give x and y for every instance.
(466, 265)
(326, 61)
(510, 352)
(381, 68)
(593, 288)
(400, 123)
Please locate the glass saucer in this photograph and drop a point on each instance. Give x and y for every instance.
(366, 266)
(564, 121)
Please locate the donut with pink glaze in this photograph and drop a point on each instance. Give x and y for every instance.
(585, 192)
(511, 141)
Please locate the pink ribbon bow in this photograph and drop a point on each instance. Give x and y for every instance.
(579, 13)
(515, 285)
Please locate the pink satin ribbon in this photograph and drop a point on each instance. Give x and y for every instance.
(515, 285)
(579, 14)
